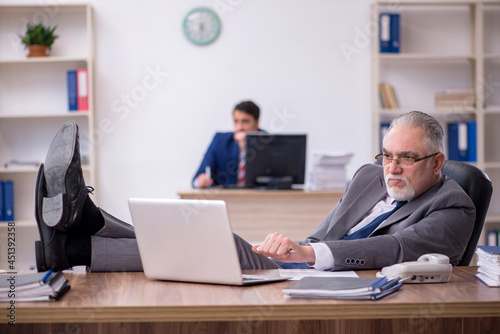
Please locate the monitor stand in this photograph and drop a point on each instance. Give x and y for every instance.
(273, 182)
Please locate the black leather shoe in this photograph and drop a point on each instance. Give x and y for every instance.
(50, 250)
(62, 205)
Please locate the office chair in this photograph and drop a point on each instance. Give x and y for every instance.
(479, 188)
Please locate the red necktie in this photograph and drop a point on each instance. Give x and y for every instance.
(241, 173)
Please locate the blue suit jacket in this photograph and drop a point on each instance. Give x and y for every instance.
(222, 157)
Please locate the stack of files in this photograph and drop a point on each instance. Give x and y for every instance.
(488, 270)
(343, 288)
(328, 170)
(456, 98)
(43, 286)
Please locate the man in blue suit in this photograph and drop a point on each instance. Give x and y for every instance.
(226, 151)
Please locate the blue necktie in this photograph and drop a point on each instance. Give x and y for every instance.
(368, 229)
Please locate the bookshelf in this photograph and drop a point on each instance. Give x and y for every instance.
(34, 105)
(443, 45)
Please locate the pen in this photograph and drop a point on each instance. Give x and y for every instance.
(208, 172)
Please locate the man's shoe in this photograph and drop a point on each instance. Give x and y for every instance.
(50, 249)
(66, 191)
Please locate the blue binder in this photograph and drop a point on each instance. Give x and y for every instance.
(389, 32)
(385, 32)
(383, 129)
(456, 140)
(8, 197)
(462, 142)
(1, 202)
(394, 33)
(72, 91)
(471, 142)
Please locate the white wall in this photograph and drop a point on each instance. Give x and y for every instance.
(286, 55)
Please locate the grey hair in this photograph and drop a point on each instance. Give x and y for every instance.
(433, 131)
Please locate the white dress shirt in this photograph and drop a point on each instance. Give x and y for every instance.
(324, 257)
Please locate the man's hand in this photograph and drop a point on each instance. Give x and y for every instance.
(240, 137)
(281, 248)
(203, 181)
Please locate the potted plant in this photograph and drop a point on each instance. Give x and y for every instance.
(38, 39)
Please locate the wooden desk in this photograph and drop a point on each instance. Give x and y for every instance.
(256, 213)
(129, 303)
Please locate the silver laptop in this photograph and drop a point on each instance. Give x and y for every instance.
(189, 241)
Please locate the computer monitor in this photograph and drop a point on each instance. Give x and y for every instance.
(275, 161)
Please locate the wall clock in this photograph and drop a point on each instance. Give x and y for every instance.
(201, 26)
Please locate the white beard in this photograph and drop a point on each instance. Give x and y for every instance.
(405, 194)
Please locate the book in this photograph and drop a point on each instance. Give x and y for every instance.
(455, 98)
(8, 200)
(82, 89)
(43, 286)
(342, 287)
(72, 91)
(388, 96)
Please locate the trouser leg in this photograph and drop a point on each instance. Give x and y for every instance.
(114, 247)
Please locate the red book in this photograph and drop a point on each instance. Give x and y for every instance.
(82, 89)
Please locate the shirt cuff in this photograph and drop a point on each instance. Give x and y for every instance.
(324, 256)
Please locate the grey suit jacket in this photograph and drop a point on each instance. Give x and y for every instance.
(438, 221)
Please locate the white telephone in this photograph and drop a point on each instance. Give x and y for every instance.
(429, 268)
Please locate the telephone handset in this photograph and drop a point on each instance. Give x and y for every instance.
(429, 268)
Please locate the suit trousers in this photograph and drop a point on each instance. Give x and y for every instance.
(114, 248)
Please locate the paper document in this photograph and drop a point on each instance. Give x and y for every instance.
(297, 274)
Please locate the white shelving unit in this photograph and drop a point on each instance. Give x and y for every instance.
(445, 44)
(34, 105)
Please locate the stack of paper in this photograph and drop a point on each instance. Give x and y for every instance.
(328, 170)
(43, 286)
(343, 287)
(488, 265)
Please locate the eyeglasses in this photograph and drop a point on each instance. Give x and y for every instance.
(404, 160)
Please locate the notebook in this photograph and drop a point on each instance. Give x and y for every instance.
(189, 241)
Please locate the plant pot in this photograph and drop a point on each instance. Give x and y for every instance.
(37, 51)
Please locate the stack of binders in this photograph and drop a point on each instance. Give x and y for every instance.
(488, 263)
(77, 82)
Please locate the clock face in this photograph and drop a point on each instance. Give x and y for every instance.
(201, 26)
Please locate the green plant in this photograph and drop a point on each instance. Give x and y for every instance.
(39, 35)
